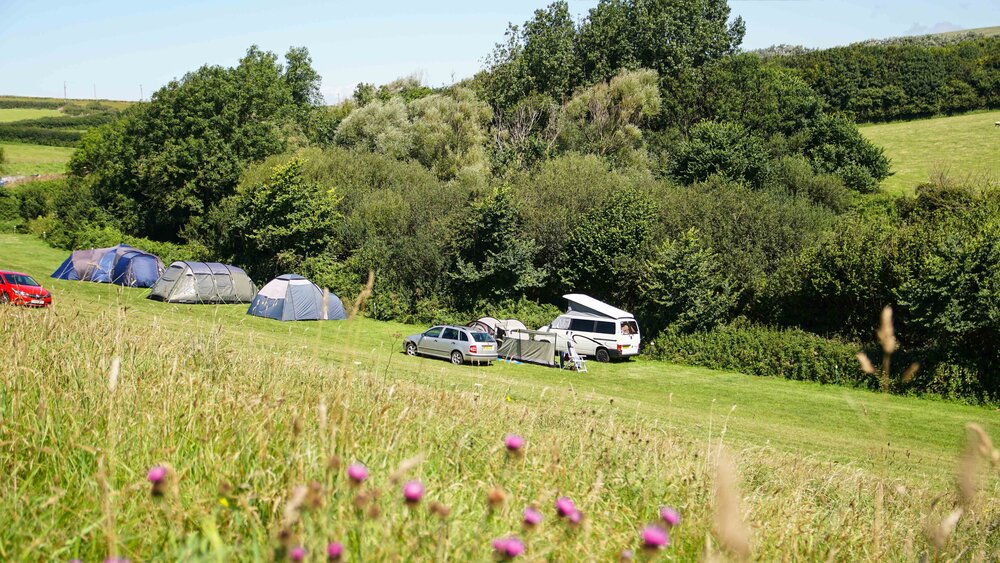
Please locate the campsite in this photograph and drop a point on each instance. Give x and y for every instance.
(627, 280)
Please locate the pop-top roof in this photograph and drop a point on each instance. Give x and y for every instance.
(581, 303)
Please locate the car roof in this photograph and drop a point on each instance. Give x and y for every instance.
(14, 273)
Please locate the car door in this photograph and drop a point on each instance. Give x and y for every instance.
(430, 342)
(450, 341)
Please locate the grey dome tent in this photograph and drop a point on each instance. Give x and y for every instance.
(294, 298)
(203, 282)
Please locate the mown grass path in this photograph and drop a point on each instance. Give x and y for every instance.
(911, 439)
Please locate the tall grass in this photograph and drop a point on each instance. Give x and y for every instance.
(257, 439)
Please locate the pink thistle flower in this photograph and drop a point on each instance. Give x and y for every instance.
(565, 506)
(297, 553)
(514, 443)
(575, 517)
(508, 548)
(157, 474)
(413, 492)
(334, 551)
(626, 555)
(655, 537)
(357, 472)
(532, 517)
(670, 516)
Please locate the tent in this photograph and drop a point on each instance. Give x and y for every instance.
(203, 282)
(122, 265)
(485, 324)
(294, 298)
(529, 346)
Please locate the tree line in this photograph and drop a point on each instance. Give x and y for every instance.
(712, 192)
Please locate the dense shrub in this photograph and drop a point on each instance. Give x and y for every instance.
(34, 135)
(756, 350)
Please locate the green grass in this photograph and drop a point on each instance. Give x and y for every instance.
(19, 114)
(222, 396)
(117, 104)
(962, 147)
(25, 159)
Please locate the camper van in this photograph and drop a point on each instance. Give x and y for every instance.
(595, 329)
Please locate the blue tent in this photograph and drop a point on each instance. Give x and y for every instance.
(122, 265)
(294, 298)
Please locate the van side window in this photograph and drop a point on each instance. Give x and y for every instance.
(581, 325)
(604, 327)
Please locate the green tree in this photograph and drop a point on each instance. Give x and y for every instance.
(606, 250)
(721, 148)
(165, 164)
(835, 145)
(494, 260)
(684, 287)
(282, 221)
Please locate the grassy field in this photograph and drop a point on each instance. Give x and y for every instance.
(35, 159)
(245, 410)
(961, 146)
(18, 114)
(117, 104)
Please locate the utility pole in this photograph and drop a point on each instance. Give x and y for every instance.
(95, 91)
(65, 98)
(140, 92)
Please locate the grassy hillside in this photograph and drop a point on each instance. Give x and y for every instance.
(23, 159)
(56, 103)
(245, 409)
(18, 114)
(960, 146)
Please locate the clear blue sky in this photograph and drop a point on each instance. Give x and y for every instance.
(119, 45)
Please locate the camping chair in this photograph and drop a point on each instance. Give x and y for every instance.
(576, 361)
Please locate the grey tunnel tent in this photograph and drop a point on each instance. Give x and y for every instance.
(294, 298)
(203, 282)
(532, 346)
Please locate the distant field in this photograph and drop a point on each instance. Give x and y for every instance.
(58, 102)
(35, 159)
(984, 31)
(961, 146)
(17, 114)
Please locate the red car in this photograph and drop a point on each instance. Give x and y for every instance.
(22, 289)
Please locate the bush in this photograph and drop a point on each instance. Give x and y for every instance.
(757, 350)
(38, 135)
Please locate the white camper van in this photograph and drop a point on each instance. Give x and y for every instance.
(596, 329)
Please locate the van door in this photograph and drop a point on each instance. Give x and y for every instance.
(583, 336)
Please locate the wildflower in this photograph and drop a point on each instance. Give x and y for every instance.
(439, 509)
(297, 553)
(575, 517)
(314, 498)
(565, 506)
(413, 491)
(514, 443)
(626, 555)
(509, 547)
(334, 551)
(654, 537)
(496, 497)
(224, 502)
(157, 476)
(532, 517)
(357, 472)
(670, 516)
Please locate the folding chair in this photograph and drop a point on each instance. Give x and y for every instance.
(579, 364)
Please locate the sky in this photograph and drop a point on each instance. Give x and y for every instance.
(124, 49)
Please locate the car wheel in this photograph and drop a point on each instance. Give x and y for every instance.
(411, 349)
(456, 358)
(4, 299)
(602, 355)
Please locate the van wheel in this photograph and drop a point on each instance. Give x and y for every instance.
(456, 358)
(411, 349)
(602, 355)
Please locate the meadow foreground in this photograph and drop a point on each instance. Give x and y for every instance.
(254, 424)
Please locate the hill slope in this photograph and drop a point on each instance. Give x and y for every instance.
(244, 410)
(962, 146)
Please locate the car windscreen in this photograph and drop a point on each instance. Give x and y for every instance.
(481, 337)
(21, 279)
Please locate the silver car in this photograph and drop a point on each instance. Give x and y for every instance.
(453, 342)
